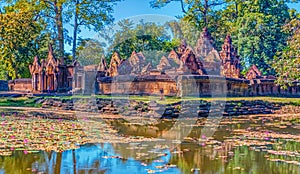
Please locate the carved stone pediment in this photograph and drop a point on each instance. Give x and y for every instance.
(213, 56)
(137, 62)
(164, 64)
(174, 56)
(146, 69)
(191, 62)
(253, 73)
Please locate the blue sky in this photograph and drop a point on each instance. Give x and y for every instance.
(140, 9)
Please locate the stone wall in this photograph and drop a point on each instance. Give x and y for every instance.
(3, 85)
(267, 87)
(23, 85)
(138, 85)
(199, 108)
(192, 85)
(212, 86)
(188, 85)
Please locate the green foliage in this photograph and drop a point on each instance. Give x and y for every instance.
(142, 37)
(197, 15)
(258, 29)
(287, 62)
(89, 51)
(57, 14)
(18, 32)
(184, 30)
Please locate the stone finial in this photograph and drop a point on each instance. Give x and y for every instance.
(50, 52)
(230, 66)
(35, 66)
(114, 64)
(182, 46)
(51, 58)
(102, 65)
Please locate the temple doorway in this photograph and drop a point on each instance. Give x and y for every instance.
(50, 82)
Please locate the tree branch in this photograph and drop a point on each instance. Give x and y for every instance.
(182, 6)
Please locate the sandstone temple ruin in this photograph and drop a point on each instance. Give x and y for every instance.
(199, 71)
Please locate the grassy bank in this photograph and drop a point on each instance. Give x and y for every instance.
(30, 101)
(19, 101)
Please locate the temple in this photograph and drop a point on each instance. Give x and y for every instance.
(199, 71)
(51, 74)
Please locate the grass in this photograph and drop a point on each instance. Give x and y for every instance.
(20, 101)
(30, 102)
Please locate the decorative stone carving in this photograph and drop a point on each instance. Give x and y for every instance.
(35, 67)
(191, 62)
(114, 64)
(137, 62)
(102, 67)
(52, 63)
(146, 70)
(206, 52)
(253, 73)
(205, 44)
(164, 64)
(174, 56)
(182, 47)
(230, 66)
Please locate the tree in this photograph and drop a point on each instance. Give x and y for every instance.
(89, 51)
(145, 36)
(18, 34)
(182, 30)
(197, 12)
(93, 14)
(287, 62)
(259, 35)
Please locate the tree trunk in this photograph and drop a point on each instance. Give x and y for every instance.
(16, 72)
(75, 30)
(205, 13)
(60, 30)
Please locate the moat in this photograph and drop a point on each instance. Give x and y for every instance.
(32, 143)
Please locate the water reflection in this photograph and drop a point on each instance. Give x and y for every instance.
(102, 158)
(90, 158)
(218, 155)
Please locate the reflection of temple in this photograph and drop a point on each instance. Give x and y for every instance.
(184, 71)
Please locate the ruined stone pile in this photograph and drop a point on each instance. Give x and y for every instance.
(183, 109)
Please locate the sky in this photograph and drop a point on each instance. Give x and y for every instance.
(140, 9)
(136, 10)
